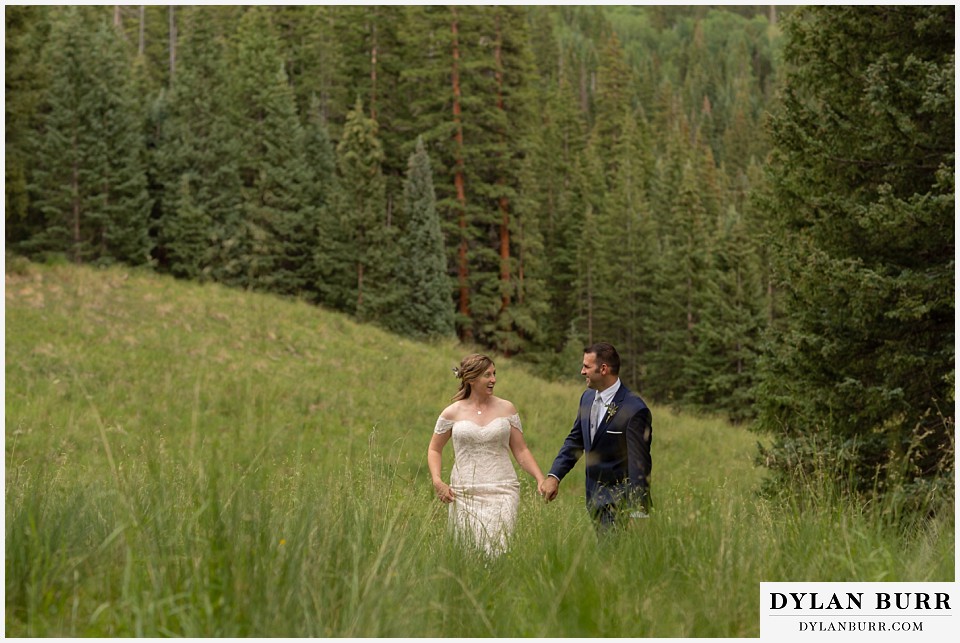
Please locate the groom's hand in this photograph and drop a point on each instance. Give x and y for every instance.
(549, 488)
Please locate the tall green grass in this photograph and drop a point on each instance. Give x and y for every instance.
(188, 460)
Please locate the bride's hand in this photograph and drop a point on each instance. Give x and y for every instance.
(548, 488)
(444, 492)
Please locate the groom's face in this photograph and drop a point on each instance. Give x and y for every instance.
(592, 371)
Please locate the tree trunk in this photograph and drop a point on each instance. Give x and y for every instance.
(373, 73)
(771, 314)
(584, 96)
(173, 44)
(142, 41)
(520, 262)
(501, 181)
(75, 184)
(359, 286)
(740, 306)
(589, 304)
(463, 272)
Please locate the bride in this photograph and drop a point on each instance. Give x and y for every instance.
(483, 492)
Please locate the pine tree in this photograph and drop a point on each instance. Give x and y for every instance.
(371, 62)
(425, 308)
(612, 98)
(622, 175)
(515, 322)
(630, 301)
(581, 32)
(313, 58)
(597, 234)
(362, 213)
(90, 183)
(196, 159)
(26, 29)
(320, 156)
(146, 31)
(333, 256)
(741, 146)
(464, 303)
(461, 125)
(368, 38)
(126, 203)
(275, 246)
(861, 380)
(543, 44)
(684, 270)
(721, 371)
(531, 307)
(560, 141)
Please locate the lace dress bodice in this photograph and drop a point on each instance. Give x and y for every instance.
(481, 451)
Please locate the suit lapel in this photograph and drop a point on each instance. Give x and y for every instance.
(605, 417)
(585, 407)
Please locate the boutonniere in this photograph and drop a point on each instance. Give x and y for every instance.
(611, 410)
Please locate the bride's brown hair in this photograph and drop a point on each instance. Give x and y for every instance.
(471, 367)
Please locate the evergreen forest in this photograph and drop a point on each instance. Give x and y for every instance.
(755, 204)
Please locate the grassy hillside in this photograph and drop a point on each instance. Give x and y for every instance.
(190, 460)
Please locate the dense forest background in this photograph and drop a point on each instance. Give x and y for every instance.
(754, 204)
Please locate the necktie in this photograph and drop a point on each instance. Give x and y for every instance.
(595, 415)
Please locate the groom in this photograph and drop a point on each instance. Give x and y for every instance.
(614, 429)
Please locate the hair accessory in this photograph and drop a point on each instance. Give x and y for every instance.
(456, 371)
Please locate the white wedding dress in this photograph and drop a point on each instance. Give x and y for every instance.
(483, 480)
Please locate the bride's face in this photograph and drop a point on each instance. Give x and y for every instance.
(484, 384)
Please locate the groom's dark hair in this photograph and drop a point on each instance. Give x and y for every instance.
(606, 354)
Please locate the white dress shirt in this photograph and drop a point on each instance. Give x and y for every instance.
(600, 404)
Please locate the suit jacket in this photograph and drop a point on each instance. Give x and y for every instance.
(618, 461)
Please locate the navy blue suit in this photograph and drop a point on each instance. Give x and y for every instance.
(617, 460)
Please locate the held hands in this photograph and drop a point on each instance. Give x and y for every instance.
(444, 492)
(548, 488)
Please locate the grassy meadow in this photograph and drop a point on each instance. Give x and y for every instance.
(189, 460)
